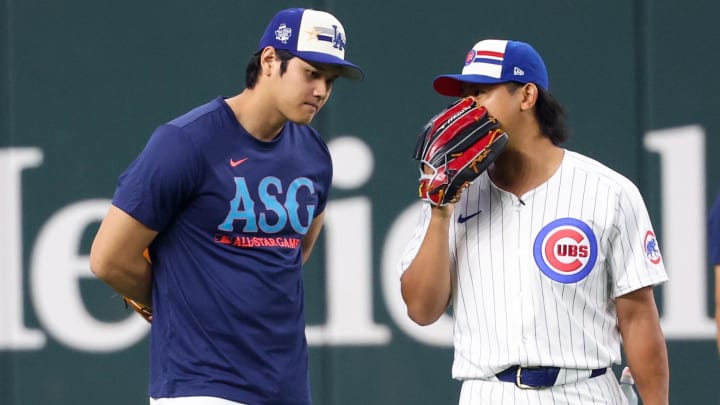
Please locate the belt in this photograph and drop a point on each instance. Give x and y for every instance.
(540, 377)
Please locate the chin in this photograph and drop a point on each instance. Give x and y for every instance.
(302, 120)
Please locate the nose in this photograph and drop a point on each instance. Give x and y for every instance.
(321, 89)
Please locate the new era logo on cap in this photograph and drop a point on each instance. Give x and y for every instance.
(312, 35)
(496, 61)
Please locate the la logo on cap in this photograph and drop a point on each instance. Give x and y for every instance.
(332, 35)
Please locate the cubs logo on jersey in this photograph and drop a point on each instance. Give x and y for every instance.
(652, 251)
(565, 250)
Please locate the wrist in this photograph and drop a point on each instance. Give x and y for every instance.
(443, 212)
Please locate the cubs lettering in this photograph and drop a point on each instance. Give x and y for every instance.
(565, 250)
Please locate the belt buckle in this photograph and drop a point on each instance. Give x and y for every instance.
(518, 380)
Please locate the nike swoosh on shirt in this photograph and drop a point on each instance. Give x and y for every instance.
(236, 163)
(462, 219)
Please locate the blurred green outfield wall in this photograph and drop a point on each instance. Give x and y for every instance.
(84, 83)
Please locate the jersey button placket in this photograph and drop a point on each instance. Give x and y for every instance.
(524, 292)
(513, 283)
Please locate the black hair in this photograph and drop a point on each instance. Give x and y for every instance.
(550, 115)
(253, 67)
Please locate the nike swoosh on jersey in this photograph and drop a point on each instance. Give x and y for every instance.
(236, 163)
(462, 219)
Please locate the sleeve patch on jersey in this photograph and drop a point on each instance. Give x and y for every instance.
(565, 250)
(652, 251)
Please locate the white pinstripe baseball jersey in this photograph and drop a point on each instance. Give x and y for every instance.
(534, 278)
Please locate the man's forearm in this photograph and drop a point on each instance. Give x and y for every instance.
(426, 284)
(119, 255)
(647, 355)
(137, 288)
(133, 280)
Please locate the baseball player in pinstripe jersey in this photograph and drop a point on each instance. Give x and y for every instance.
(551, 259)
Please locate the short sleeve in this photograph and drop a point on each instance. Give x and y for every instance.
(323, 193)
(634, 253)
(413, 246)
(158, 183)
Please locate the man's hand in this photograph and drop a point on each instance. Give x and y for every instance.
(454, 148)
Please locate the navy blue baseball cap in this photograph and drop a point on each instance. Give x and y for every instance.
(496, 61)
(311, 35)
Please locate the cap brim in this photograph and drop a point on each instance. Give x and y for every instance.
(451, 85)
(348, 70)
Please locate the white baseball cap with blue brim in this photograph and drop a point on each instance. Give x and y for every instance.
(496, 61)
(312, 35)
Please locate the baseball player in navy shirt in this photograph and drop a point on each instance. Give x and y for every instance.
(548, 258)
(229, 199)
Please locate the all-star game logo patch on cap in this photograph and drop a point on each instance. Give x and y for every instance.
(312, 35)
(496, 61)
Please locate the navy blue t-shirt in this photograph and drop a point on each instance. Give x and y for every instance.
(714, 232)
(231, 211)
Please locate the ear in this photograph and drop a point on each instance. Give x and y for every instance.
(529, 96)
(267, 57)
